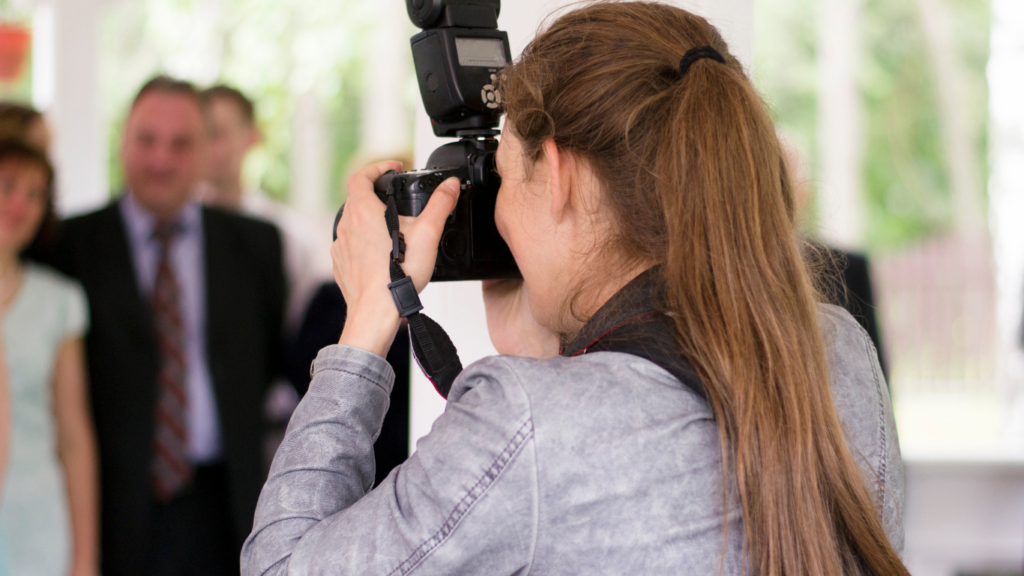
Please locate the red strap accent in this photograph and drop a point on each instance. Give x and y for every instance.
(602, 336)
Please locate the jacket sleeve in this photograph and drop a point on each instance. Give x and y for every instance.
(464, 503)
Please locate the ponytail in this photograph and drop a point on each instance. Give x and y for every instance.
(693, 171)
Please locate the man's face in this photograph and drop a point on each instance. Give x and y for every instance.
(163, 151)
(231, 137)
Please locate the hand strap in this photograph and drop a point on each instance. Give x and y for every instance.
(431, 347)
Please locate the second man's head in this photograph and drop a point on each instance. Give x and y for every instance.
(230, 116)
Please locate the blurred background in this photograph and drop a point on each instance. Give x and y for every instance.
(907, 115)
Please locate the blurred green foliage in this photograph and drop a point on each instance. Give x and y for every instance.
(906, 183)
(906, 178)
(344, 116)
(785, 68)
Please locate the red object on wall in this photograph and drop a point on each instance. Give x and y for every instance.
(14, 43)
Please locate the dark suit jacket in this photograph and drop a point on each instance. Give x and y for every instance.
(853, 290)
(245, 291)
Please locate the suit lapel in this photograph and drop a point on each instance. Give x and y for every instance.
(219, 288)
(122, 284)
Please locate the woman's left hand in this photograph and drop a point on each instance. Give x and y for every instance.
(362, 256)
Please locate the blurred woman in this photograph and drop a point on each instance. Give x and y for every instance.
(48, 513)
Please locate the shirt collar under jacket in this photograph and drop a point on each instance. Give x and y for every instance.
(141, 223)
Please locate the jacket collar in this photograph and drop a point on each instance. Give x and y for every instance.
(634, 321)
(636, 301)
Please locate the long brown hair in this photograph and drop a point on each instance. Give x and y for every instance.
(693, 172)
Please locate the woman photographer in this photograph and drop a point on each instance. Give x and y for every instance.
(645, 199)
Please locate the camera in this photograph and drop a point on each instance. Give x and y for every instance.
(457, 57)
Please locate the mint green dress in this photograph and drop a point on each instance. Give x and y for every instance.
(35, 528)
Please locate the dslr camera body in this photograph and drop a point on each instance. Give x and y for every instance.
(457, 57)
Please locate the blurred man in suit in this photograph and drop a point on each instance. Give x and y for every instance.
(186, 305)
(231, 121)
(316, 309)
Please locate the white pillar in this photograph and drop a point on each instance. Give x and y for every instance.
(840, 141)
(44, 56)
(66, 88)
(385, 122)
(458, 306)
(1006, 186)
(958, 134)
(309, 153)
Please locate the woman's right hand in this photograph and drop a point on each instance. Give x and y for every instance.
(362, 256)
(510, 322)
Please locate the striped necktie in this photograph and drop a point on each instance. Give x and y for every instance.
(171, 470)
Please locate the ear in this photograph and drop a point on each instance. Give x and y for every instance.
(560, 180)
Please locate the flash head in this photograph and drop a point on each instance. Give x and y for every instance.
(428, 14)
(458, 57)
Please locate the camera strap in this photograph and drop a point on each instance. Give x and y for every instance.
(431, 347)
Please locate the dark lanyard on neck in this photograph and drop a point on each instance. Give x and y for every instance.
(606, 334)
(633, 322)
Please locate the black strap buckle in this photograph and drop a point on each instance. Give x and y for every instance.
(431, 347)
(406, 299)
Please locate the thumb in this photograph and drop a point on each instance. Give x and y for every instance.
(442, 202)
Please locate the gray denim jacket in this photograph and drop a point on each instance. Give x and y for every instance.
(599, 464)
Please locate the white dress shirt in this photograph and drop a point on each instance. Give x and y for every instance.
(188, 259)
